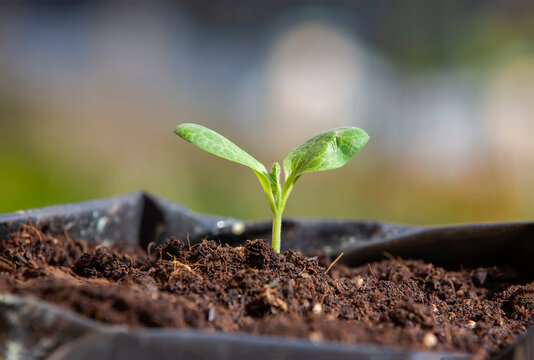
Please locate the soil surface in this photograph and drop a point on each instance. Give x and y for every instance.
(406, 303)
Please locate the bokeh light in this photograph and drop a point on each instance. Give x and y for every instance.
(89, 93)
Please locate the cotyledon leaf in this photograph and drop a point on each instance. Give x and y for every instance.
(216, 144)
(329, 150)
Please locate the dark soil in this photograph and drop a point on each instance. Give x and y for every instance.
(407, 303)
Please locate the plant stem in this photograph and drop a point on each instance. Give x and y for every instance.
(277, 215)
(264, 181)
(286, 190)
(277, 230)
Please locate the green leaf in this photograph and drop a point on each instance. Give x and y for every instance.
(216, 144)
(329, 150)
(275, 180)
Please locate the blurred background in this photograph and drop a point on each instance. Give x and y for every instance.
(90, 92)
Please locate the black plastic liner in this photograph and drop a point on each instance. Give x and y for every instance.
(33, 329)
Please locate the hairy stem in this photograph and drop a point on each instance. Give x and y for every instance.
(277, 215)
(277, 230)
(264, 181)
(286, 190)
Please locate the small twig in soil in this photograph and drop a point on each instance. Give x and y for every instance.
(177, 265)
(333, 262)
(322, 299)
(371, 270)
(132, 263)
(150, 247)
(32, 229)
(67, 236)
(5, 266)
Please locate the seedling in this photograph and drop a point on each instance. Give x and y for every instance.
(329, 150)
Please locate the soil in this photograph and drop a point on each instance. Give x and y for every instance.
(250, 288)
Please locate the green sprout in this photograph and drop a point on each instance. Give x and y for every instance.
(329, 150)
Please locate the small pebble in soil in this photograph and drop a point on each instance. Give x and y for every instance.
(430, 340)
(317, 308)
(471, 324)
(358, 281)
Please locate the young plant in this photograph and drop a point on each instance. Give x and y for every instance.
(329, 150)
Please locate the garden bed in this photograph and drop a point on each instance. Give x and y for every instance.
(250, 288)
